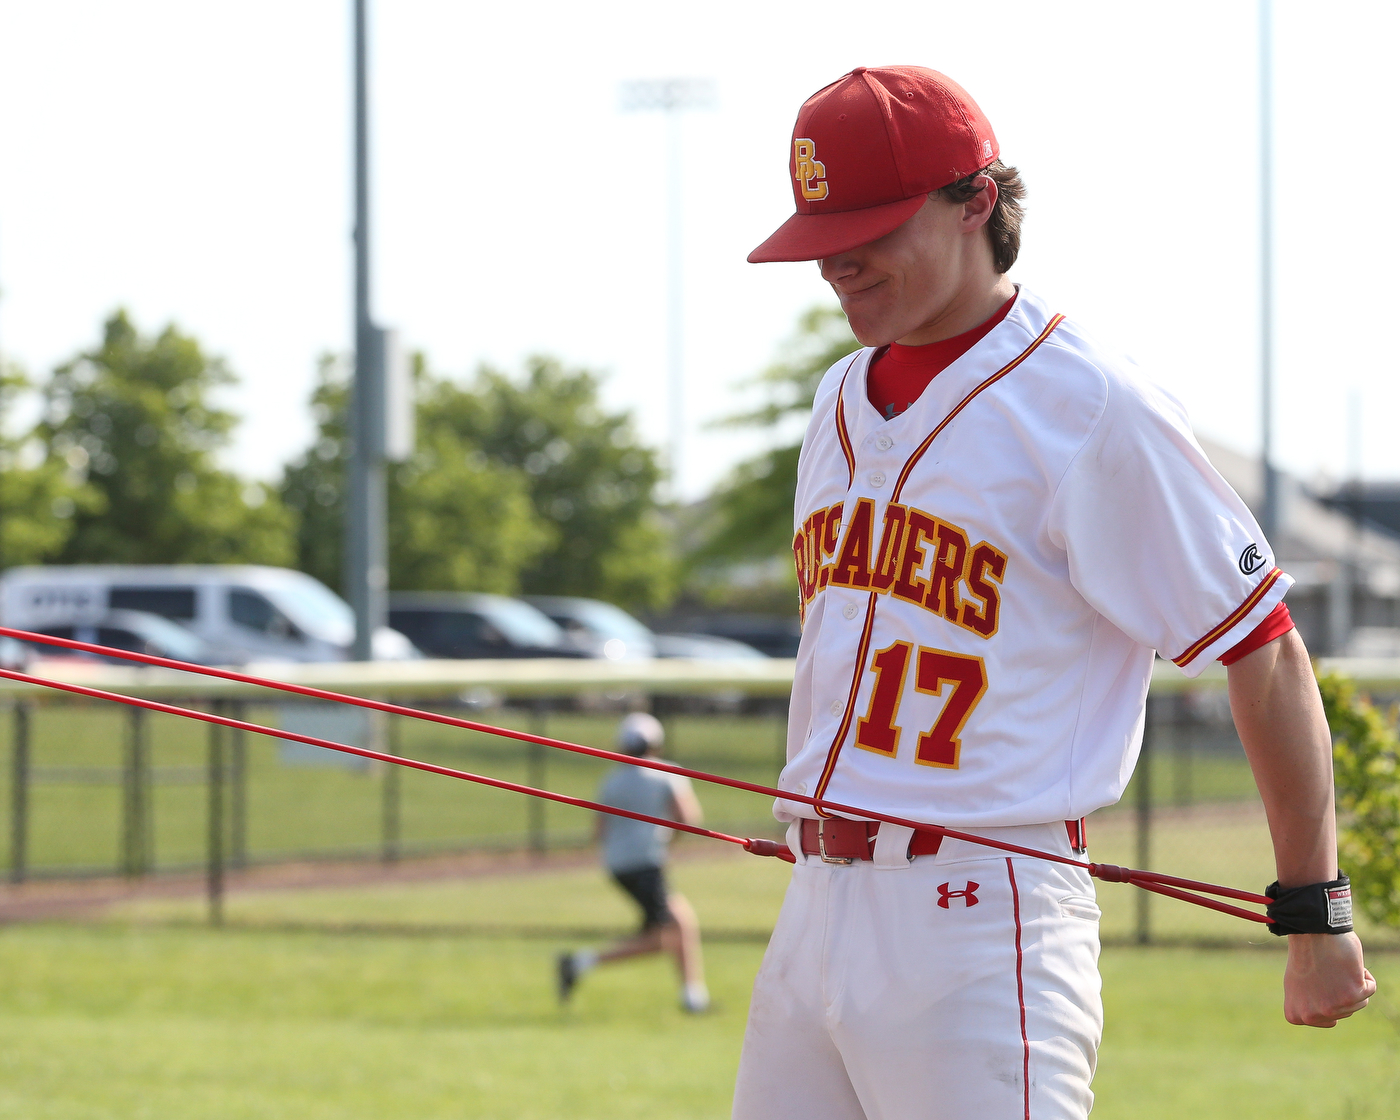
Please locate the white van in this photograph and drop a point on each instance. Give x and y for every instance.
(242, 612)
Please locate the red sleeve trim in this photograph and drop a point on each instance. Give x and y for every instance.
(1199, 646)
(1279, 623)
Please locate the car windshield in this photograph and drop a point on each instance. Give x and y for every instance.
(174, 641)
(315, 608)
(522, 623)
(606, 619)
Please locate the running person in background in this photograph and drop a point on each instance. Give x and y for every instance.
(634, 853)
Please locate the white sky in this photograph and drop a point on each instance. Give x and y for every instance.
(190, 161)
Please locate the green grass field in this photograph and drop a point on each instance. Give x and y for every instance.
(356, 1003)
(435, 999)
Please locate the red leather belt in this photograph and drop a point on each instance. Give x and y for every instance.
(838, 840)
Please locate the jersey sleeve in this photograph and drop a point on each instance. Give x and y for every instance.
(1158, 542)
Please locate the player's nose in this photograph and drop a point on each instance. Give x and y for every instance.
(838, 268)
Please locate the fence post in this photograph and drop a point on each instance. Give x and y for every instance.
(535, 806)
(1183, 756)
(135, 796)
(1144, 823)
(214, 874)
(391, 819)
(19, 792)
(238, 790)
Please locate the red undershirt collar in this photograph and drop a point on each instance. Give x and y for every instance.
(899, 374)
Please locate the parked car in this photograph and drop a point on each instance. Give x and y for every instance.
(466, 624)
(774, 635)
(137, 631)
(241, 612)
(597, 628)
(705, 646)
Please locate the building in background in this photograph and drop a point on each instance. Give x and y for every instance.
(1346, 600)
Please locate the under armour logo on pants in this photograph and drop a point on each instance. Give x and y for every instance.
(968, 894)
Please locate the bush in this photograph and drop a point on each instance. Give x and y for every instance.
(1366, 759)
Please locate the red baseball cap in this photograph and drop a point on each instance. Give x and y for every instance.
(867, 150)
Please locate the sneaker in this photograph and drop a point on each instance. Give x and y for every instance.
(695, 1002)
(566, 976)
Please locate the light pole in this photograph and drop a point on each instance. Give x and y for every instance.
(1270, 510)
(672, 96)
(381, 409)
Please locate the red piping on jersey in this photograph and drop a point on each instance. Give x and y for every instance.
(962, 404)
(1196, 648)
(1020, 989)
(833, 752)
(844, 437)
(1109, 873)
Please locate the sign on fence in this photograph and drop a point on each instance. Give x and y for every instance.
(336, 722)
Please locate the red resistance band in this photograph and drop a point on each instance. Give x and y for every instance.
(1168, 885)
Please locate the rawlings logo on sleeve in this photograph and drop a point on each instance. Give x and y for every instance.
(1251, 560)
(913, 556)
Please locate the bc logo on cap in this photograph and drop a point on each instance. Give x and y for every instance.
(808, 170)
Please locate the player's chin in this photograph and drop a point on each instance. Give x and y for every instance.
(870, 330)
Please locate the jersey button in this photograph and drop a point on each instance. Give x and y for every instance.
(877, 478)
(884, 443)
(850, 610)
(836, 707)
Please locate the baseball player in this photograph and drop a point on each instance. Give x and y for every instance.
(998, 525)
(634, 852)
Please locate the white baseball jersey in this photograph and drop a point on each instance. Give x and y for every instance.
(985, 579)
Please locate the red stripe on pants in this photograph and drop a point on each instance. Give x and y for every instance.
(1021, 990)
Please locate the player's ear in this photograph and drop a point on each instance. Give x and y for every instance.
(977, 210)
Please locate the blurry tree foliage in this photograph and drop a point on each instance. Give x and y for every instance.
(132, 429)
(751, 511)
(313, 486)
(1366, 761)
(591, 479)
(38, 494)
(516, 485)
(456, 521)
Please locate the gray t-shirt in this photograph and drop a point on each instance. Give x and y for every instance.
(627, 844)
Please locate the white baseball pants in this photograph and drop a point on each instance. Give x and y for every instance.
(959, 986)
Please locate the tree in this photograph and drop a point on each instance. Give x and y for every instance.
(38, 495)
(1366, 760)
(457, 522)
(134, 424)
(750, 514)
(513, 487)
(590, 478)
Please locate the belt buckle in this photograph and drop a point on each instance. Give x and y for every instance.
(821, 846)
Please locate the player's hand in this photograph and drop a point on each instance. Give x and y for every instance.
(1325, 980)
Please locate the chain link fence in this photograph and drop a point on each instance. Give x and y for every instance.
(99, 790)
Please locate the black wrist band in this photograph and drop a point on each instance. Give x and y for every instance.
(1317, 908)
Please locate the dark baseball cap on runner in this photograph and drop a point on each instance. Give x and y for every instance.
(866, 152)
